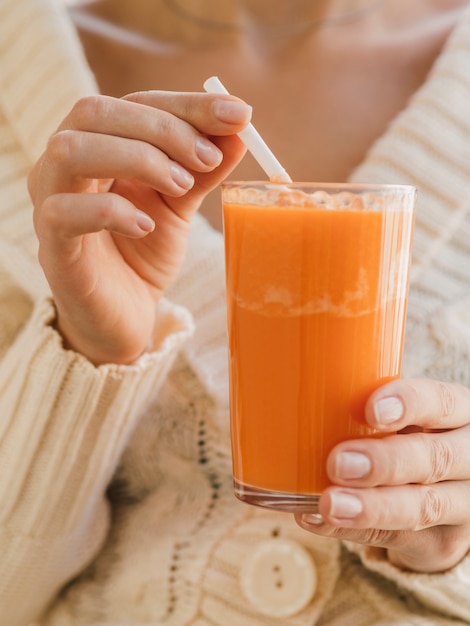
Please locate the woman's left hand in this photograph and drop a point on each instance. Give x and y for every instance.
(407, 492)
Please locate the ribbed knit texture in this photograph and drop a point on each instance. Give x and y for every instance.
(167, 545)
(63, 422)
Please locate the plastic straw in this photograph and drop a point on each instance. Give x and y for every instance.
(253, 141)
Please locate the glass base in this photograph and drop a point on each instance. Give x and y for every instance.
(277, 500)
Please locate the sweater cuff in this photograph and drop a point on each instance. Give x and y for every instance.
(65, 421)
(447, 592)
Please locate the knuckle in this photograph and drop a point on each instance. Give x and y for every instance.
(432, 509)
(62, 146)
(166, 125)
(442, 457)
(446, 400)
(170, 129)
(89, 109)
(378, 537)
(49, 217)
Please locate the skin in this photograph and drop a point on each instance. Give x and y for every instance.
(115, 190)
(406, 493)
(114, 194)
(345, 83)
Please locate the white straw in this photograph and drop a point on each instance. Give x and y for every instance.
(253, 141)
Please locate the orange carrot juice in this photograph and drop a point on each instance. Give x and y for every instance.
(317, 283)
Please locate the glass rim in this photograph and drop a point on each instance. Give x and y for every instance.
(328, 186)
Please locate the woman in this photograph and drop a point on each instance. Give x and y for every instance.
(116, 496)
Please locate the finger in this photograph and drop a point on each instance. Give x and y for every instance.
(411, 507)
(65, 217)
(75, 157)
(430, 550)
(103, 122)
(142, 114)
(424, 458)
(234, 150)
(211, 114)
(418, 401)
(132, 120)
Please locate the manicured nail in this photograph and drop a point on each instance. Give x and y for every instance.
(144, 222)
(352, 465)
(207, 152)
(344, 505)
(388, 410)
(232, 111)
(181, 176)
(313, 519)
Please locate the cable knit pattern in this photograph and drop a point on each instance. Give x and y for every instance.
(133, 462)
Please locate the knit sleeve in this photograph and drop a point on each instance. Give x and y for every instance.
(63, 426)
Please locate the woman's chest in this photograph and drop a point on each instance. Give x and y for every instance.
(319, 103)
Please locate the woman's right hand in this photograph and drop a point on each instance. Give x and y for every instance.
(113, 196)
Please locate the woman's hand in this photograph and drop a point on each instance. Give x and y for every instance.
(114, 193)
(408, 493)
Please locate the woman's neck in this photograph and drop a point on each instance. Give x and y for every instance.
(264, 14)
(211, 18)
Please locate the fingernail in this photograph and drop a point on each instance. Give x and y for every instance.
(181, 176)
(232, 111)
(144, 222)
(352, 465)
(344, 505)
(207, 152)
(388, 410)
(314, 519)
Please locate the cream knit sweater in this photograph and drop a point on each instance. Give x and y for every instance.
(166, 542)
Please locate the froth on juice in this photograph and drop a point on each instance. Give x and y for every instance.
(317, 281)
